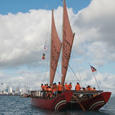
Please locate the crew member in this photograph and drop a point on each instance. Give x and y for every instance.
(77, 87)
(49, 94)
(66, 86)
(84, 89)
(69, 86)
(55, 89)
(42, 87)
(59, 88)
(93, 89)
(89, 88)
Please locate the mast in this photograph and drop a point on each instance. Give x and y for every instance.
(55, 50)
(51, 49)
(67, 42)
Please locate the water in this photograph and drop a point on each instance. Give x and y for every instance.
(15, 105)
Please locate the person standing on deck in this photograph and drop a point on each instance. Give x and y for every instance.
(89, 88)
(69, 86)
(93, 89)
(55, 89)
(49, 92)
(77, 87)
(84, 89)
(59, 88)
(42, 87)
(45, 87)
(66, 86)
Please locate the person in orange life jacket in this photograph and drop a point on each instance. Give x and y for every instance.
(66, 87)
(55, 89)
(84, 95)
(77, 87)
(42, 87)
(59, 88)
(49, 92)
(93, 89)
(49, 89)
(69, 86)
(45, 87)
(89, 89)
(84, 89)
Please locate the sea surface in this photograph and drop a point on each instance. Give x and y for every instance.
(16, 105)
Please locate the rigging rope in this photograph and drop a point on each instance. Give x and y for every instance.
(87, 58)
(75, 76)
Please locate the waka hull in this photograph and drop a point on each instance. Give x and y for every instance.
(57, 103)
(94, 103)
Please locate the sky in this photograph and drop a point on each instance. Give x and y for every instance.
(25, 28)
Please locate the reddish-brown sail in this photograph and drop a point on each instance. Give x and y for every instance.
(55, 51)
(67, 42)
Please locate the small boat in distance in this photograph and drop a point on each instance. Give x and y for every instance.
(67, 99)
(25, 95)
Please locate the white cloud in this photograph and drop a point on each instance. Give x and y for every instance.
(96, 25)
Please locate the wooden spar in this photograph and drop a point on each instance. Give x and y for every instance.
(79, 103)
(50, 51)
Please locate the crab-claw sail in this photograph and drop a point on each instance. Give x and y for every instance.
(55, 50)
(67, 43)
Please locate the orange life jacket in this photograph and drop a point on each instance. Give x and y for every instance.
(45, 88)
(66, 86)
(59, 87)
(49, 89)
(53, 89)
(84, 89)
(69, 87)
(77, 87)
(93, 89)
(42, 87)
(90, 89)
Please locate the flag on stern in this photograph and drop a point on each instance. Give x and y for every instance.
(93, 69)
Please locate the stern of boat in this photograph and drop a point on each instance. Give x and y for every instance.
(99, 101)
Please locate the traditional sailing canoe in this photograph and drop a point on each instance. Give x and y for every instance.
(85, 100)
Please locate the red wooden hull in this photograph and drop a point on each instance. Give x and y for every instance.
(57, 103)
(94, 103)
(63, 101)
